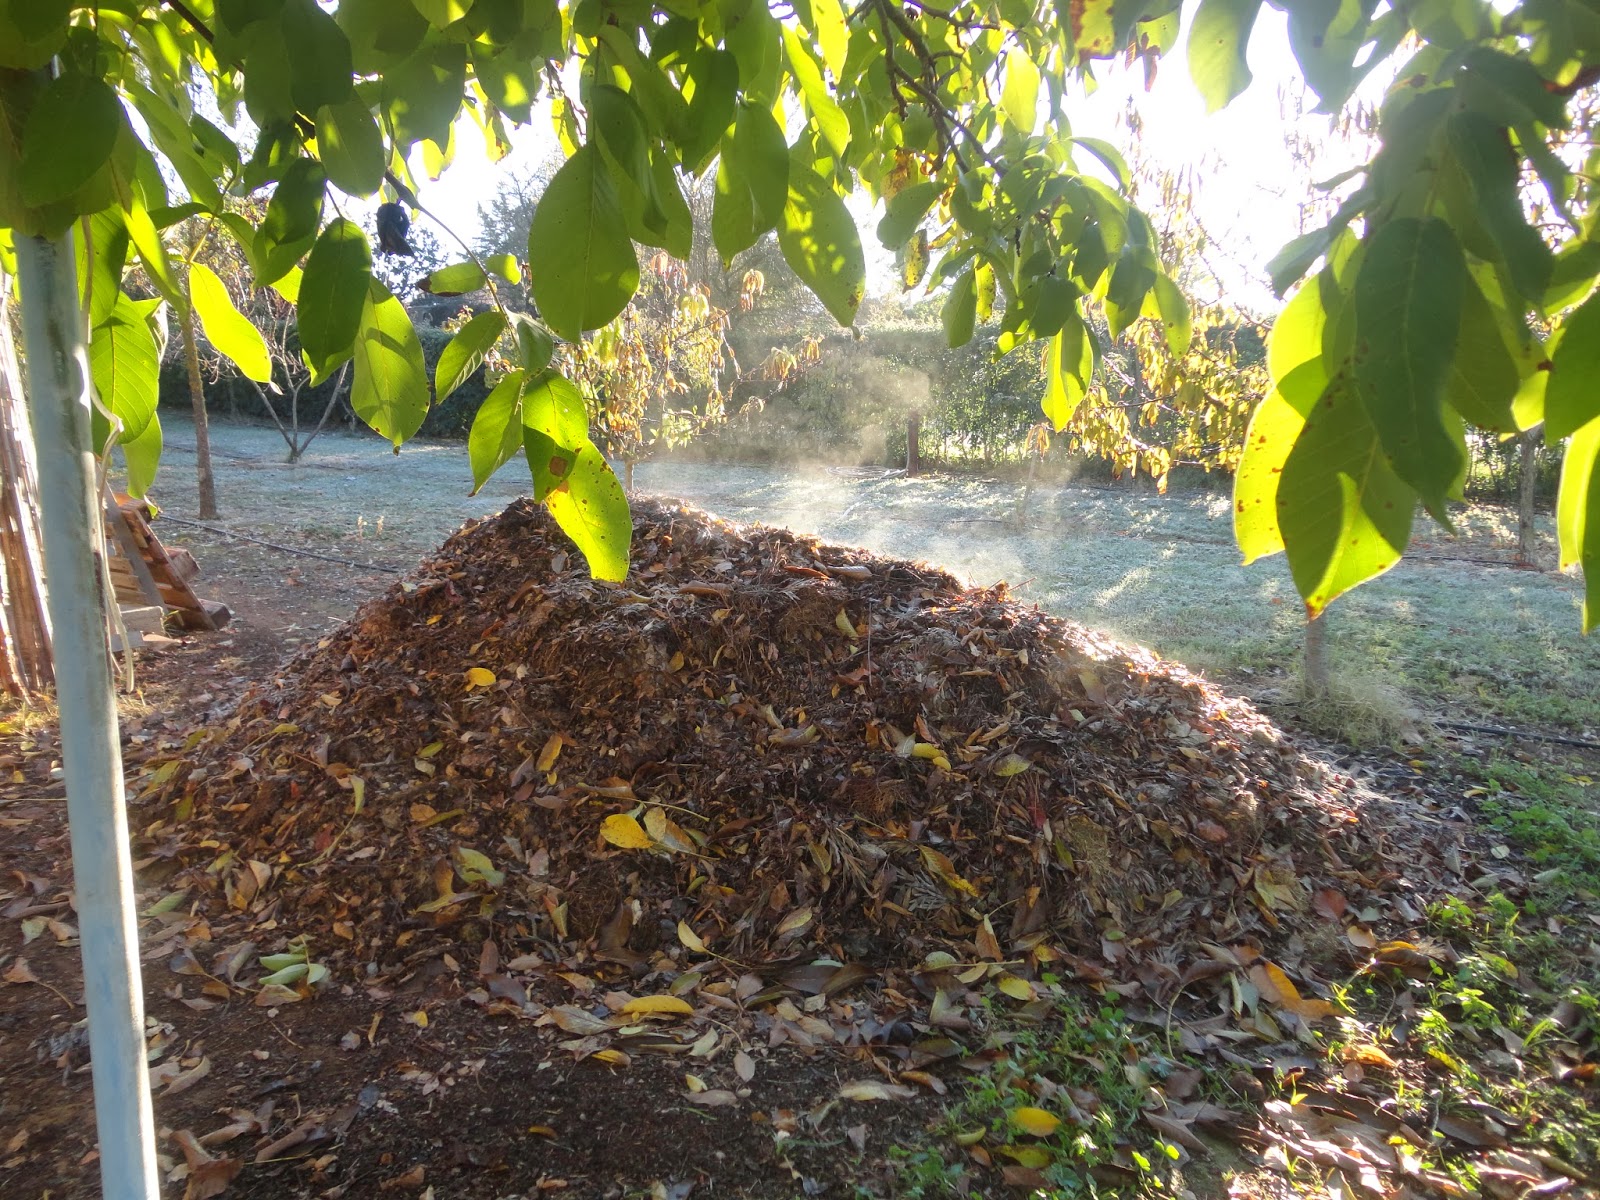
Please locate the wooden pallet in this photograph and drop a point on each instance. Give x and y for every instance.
(145, 572)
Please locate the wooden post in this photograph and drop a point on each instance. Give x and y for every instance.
(913, 449)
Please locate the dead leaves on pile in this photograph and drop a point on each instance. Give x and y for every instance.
(836, 799)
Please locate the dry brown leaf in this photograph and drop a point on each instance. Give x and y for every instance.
(20, 972)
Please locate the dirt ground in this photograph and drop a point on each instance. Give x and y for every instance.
(416, 1092)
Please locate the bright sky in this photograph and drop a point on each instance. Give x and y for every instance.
(1250, 189)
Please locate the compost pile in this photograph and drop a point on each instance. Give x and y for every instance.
(766, 750)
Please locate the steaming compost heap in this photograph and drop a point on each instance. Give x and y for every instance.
(783, 754)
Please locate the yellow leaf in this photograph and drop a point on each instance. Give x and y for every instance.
(795, 921)
(1011, 764)
(1277, 988)
(647, 1005)
(551, 751)
(331, 699)
(1035, 1121)
(616, 1058)
(694, 1083)
(623, 831)
(1015, 987)
(946, 871)
(480, 677)
(969, 1137)
(1368, 1055)
(418, 1018)
(667, 832)
(690, 939)
(843, 624)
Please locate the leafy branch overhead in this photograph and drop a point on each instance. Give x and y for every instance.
(1431, 302)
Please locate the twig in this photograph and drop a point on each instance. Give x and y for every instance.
(199, 26)
(245, 537)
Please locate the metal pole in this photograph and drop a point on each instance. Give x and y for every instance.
(91, 752)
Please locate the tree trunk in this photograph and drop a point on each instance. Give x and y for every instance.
(1528, 482)
(1020, 517)
(913, 446)
(202, 432)
(91, 752)
(627, 475)
(1316, 665)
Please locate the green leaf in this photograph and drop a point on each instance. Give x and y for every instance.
(1109, 155)
(1174, 310)
(534, 343)
(1509, 90)
(832, 34)
(335, 288)
(1578, 516)
(505, 266)
(820, 242)
(711, 110)
(454, 280)
(1294, 360)
(819, 101)
(960, 311)
(752, 185)
(1485, 155)
(142, 456)
(100, 269)
(510, 82)
(552, 404)
(69, 135)
(592, 509)
(1019, 99)
(1217, 43)
(465, 352)
(1483, 376)
(351, 147)
(226, 328)
(423, 94)
(1344, 514)
(290, 225)
(582, 264)
(443, 12)
(124, 364)
(146, 240)
(390, 388)
(1069, 368)
(904, 212)
(1407, 299)
(319, 56)
(1572, 399)
(496, 433)
(31, 31)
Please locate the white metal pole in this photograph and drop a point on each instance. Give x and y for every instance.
(91, 752)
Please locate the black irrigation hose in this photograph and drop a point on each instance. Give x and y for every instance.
(245, 537)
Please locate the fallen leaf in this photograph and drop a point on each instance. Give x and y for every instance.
(623, 831)
(1015, 987)
(20, 972)
(875, 1089)
(1035, 1121)
(1278, 989)
(744, 1066)
(480, 677)
(1011, 764)
(691, 940)
(714, 1098)
(664, 1005)
(1174, 1131)
(551, 751)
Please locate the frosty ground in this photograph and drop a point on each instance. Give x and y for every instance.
(1454, 633)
